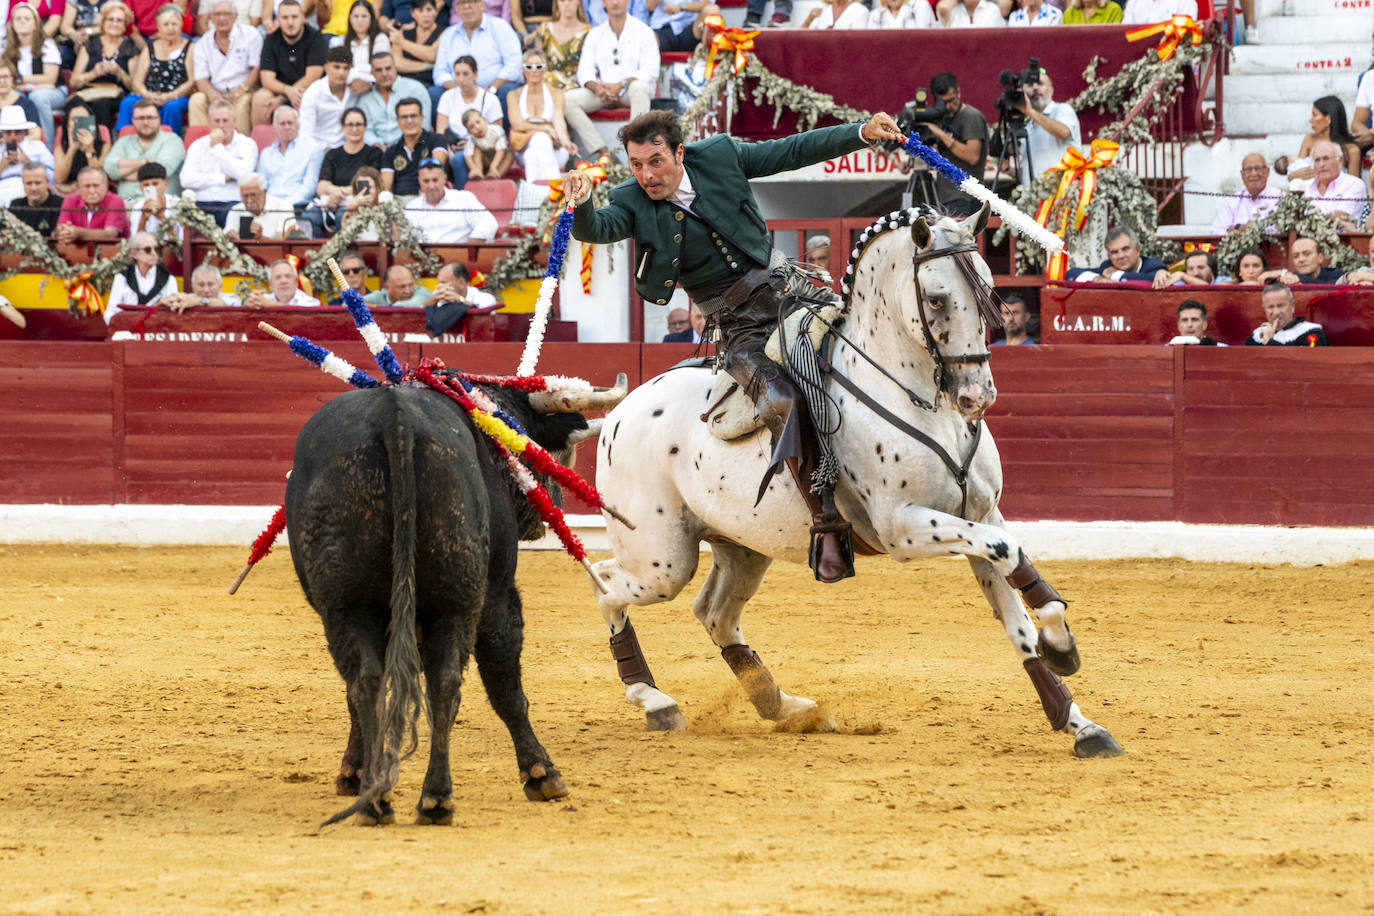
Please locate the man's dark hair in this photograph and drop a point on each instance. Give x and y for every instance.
(1192, 304)
(293, 2)
(407, 102)
(941, 83)
(362, 114)
(145, 103)
(379, 55)
(339, 55)
(654, 126)
(415, 3)
(1274, 286)
(1009, 298)
(459, 269)
(150, 171)
(1211, 259)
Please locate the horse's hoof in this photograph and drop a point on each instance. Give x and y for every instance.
(813, 721)
(1061, 663)
(431, 810)
(347, 785)
(667, 719)
(1096, 741)
(373, 815)
(544, 783)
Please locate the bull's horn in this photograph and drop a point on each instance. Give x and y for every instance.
(581, 401)
(591, 432)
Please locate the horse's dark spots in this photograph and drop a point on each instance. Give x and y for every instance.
(660, 510)
(697, 464)
(661, 595)
(880, 448)
(658, 412)
(908, 541)
(944, 338)
(1019, 631)
(1000, 550)
(673, 450)
(656, 380)
(655, 564)
(935, 538)
(970, 524)
(616, 431)
(884, 483)
(896, 457)
(954, 553)
(1025, 647)
(933, 523)
(669, 565)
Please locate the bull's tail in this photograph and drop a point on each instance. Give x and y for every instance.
(400, 700)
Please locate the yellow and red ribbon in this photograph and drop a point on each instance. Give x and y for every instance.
(302, 281)
(727, 40)
(1174, 31)
(1076, 167)
(596, 171)
(82, 291)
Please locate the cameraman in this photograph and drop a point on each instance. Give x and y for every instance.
(961, 136)
(1051, 129)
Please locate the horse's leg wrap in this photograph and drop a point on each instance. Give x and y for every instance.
(756, 680)
(1055, 698)
(629, 658)
(1034, 589)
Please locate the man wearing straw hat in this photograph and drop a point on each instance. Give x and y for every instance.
(18, 151)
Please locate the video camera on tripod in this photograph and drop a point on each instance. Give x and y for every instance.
(922, 110)
(1012, 103)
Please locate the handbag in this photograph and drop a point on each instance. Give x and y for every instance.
(520, 138)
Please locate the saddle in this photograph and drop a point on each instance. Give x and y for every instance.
(730, 413)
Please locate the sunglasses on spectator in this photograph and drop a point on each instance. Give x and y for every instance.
(353, 270)
(430, 160)
(534, 66)
(144, 249)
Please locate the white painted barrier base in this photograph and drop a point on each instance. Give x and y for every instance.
(239, 525)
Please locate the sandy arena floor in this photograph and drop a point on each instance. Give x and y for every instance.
(168, 748)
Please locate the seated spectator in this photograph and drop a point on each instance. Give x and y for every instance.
(560, 40)
(10, 96)
(379, 101)
(363, 38)
(363, 193)
(487, 152)
(101, 75)
(162, 73)
(20, 148)
(145, 19)
(1254, 197)
(292, 60)
(1364, 103)
(818, 251)
(143, 282)
(147, 144)
(1192, 326)
(247, 13)
(257, 216)
(1125, 262)
(225, 66)
(1282, 328)
(399, 290)
(975, 14)
(217, 162)
(79, 145)
(291, 163)
(453, 298)
(538, 130)
(415, 44)
(147, 213)
(465, 94)
(1035, 13)
(678, 25)
(1015, 323)
(332, 16)
(1052, 127)
(324, 101)
(1308, 265)
(619, 68)
(207, 289)
(1148, 12)
(1328, 123)
(679, 327)
(402, 160)
(284, 289)
(901, 14)
(39, 208)
(445, 216)
(1341, 197)
(337, 171)
(1250, 268)
(37, 64)
(354, 269)
(94, 213)
(638, 9)
(837, 14)
(1199, 269)
(489, 41)
(1091, 12)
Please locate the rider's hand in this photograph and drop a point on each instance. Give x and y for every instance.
(577, 187)
(881, 127)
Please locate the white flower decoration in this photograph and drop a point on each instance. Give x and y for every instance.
(188, 196)
(385, 197)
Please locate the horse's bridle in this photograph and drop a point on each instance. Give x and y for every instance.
(961, 255)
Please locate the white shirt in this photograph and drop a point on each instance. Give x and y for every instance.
(213, 172)
(322, 113)
(915, 14)
(121, 294)
(1364, 96)
(855, 16)
(231, 70)
(300, 297)
(362, 61)
(11, 179)
(1148, 12)
(1240, 208)
(1045, 149)
(452, 106)
(50, 55)
(276, 218)
(986, 15)
(458, 217)
(1346, 193)
(245, 10)
(136, 208)
(1046, 15)
(636, 48)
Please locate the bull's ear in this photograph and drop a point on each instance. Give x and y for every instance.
(982, 222)
(920, 233)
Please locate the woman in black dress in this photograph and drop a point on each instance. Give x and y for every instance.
(101, 75)
(162, 72)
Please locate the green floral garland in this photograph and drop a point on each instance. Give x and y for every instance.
(1293, 213)
(780, 92)
(386, 216)
(21, 238)
(186, 215)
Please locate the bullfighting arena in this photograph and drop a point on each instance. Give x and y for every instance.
(169, 748)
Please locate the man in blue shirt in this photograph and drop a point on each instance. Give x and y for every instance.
(596, 11)
(490, 41)
(291, 165)
(1015, 321)
(379, 102)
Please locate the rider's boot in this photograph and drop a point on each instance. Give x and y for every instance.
(831, 554)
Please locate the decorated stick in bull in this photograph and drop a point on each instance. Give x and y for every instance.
(329, 363)
(263, 545)
(971, 186)
(367, 327)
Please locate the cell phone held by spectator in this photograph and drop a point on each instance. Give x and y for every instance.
(245, 226)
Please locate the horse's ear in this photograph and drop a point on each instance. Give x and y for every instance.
(982, 222)
(920, 233)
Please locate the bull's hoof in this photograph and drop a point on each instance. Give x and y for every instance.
(544, 783)
(376, 814)
(667, 719)
(1096, 741)
(1061, 663)
(431, 810)
(347, 785)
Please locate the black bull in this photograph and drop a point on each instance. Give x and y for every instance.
(403, 522)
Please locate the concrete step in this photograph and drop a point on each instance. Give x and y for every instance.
(1347, 57)
(1266, 8)
(1265, 88)
(1329, 28)
(1263, 118)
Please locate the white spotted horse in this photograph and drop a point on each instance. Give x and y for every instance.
(906, 379)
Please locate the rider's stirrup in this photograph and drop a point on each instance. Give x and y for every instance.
(844, 542)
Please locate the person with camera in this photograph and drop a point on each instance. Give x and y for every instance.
(961, 136)
(1051, 127)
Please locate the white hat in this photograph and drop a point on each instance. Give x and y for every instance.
(12, 118)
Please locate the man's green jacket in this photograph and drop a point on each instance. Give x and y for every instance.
(719, 169)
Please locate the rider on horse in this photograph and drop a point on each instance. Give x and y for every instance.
(695, 222)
